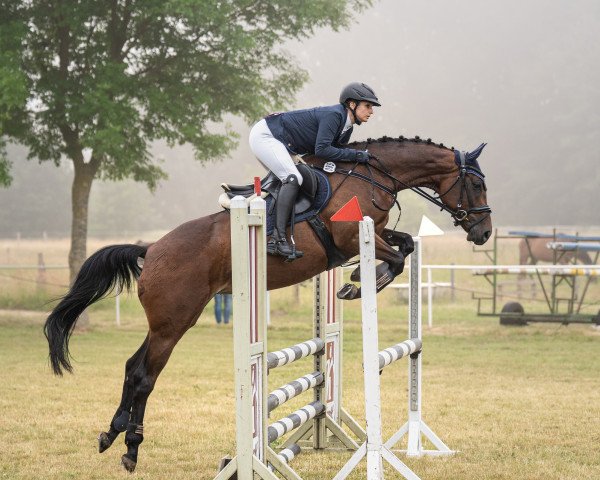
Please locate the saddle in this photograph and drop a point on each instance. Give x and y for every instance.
(313, 197)
(308, 199)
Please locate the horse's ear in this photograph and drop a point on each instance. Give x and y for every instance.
(475, 153)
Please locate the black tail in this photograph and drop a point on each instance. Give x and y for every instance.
(111, 266)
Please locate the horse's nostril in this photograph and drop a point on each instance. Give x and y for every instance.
(486, 235)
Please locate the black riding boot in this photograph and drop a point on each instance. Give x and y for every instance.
(278, 244)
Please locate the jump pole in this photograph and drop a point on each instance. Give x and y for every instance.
(326, 431)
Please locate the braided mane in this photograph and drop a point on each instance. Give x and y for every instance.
(401, 139)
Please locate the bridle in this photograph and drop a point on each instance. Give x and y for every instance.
(459, 214)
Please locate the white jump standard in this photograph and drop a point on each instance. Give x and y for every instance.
(374, 361)
(249, 288)
(373, 448)
(254, 457)
(416, 426)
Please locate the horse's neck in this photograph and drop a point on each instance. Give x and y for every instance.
(418, 165)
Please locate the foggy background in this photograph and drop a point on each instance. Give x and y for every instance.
(522, 76)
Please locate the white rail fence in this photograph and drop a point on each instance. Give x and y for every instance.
(429, 285)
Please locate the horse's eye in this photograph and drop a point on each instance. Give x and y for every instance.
(477, 187)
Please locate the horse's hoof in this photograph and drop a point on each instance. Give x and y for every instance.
(103, 442)
(355, 275)
(348, 292)
(128, 463)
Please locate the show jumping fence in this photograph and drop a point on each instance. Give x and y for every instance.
(318, 422)
(374, 361)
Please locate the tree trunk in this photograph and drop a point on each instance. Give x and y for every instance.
(80, 196)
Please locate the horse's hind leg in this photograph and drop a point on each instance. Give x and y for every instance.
(121, 417)
(159, 348)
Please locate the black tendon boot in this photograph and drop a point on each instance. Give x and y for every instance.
(278, 244)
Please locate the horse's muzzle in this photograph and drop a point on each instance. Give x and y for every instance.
(479, 235)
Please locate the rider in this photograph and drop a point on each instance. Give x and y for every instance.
(321, 131)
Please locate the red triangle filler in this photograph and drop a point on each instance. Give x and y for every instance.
(350, 212)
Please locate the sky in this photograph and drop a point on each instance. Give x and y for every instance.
(522, 76)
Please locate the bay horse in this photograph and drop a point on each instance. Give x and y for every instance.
(533, 250)
(184, 269)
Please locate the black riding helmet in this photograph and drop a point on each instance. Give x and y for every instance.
(359, 92)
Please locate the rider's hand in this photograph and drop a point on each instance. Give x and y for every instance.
(362, 156)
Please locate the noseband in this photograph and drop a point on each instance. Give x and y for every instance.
(459, 214)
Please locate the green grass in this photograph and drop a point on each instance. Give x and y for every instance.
(519, 403)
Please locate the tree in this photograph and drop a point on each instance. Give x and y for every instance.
(95, 82)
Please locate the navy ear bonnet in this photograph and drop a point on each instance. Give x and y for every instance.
(470, 160)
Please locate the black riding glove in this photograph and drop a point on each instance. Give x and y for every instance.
(362, 156)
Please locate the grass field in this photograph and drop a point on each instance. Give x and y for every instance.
(517, 403)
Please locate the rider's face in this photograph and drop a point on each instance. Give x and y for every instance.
(364, 110)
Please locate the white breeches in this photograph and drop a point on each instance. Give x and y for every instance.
(271, 152)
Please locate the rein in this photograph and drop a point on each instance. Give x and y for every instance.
(459, 214)
(374, 184)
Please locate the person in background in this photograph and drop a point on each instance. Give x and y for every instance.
(222, 307)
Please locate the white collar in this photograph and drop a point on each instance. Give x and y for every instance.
(348, 125)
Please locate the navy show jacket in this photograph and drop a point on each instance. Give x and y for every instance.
(314, 131)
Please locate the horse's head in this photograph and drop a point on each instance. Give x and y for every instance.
(412, 163)
(465, 193)
(455, 176)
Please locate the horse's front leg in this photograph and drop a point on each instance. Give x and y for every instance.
(385, 272)
(403, 241)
